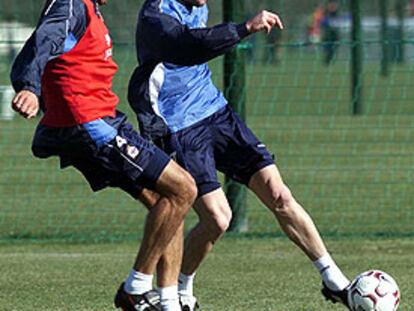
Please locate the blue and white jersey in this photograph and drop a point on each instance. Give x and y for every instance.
(172, 88)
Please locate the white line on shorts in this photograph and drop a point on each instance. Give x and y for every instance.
(126, 158)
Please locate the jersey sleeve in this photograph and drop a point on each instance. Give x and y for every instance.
(62, 24)
(168, 40)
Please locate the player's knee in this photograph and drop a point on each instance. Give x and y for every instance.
(283, 202)
(219, 222)
(190, 192)
(187, 190)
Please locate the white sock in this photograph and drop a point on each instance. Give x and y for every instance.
(138, 283)
(330, 273)
(185, 284)
(169, 298)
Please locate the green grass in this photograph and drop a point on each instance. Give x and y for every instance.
(240, 275)
(354, 175)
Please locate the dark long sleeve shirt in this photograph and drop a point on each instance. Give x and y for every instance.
(61, 26)
(172, 88)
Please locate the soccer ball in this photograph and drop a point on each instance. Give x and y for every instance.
(374, 291)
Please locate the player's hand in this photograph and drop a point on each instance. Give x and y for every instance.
(265, 20)
(26, 103)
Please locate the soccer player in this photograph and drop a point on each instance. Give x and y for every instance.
(67, 66)
(180, 109)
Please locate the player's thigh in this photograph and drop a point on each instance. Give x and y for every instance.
(175, 181)
(214, 208)
(268, 185)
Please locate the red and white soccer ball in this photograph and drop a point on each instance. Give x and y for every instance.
(374, 291)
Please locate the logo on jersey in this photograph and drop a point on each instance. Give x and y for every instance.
(108, 52)
(108, 40)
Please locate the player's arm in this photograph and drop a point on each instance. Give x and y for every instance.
(61, 25)
(170, 41)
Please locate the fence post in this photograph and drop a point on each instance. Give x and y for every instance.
(356, 55)
(400, 11)
(235, 92)
(385, 43)
(6, 111)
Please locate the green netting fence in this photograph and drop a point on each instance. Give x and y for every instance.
(353, 173)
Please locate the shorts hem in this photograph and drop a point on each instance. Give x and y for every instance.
(206, 188)
(154, 169)
(258, 167)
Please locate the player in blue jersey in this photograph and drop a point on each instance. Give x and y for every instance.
(181, 110)
(67, 65)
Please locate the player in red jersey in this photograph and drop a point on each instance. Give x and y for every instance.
(67, 63)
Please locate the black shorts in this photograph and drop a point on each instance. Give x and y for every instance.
(220, 142)
(126, 161)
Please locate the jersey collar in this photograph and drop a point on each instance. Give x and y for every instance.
(185, 9)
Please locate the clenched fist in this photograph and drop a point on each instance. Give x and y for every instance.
(265, 20)
(26, 103)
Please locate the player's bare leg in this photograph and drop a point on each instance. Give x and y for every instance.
(175, 193)
(168, 269)
(296, 223)
(267, 184)
(214, 218)
(169, 264)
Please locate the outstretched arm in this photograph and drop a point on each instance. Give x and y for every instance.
(61, 25)
(170, 41)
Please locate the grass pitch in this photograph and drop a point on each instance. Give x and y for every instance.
(354, 174)
(240, 275)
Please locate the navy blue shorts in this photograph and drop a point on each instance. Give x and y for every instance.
(126, 161)
(220, 142)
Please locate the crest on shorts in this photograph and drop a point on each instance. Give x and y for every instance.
(132, 151)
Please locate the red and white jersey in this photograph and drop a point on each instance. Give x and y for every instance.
(77, 86)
